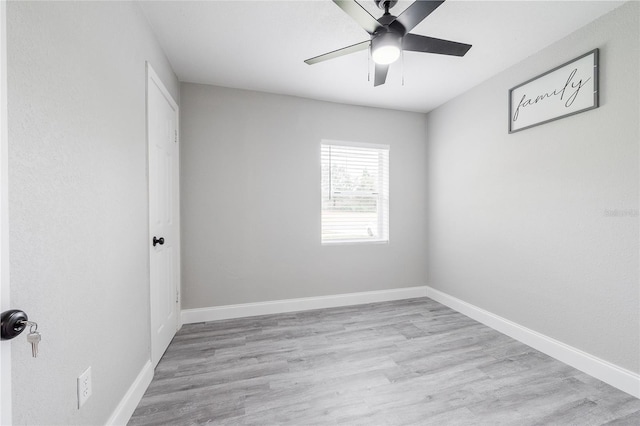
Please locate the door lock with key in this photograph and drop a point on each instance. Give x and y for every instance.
(14, 322)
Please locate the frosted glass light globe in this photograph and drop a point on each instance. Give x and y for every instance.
(385, 55)
(385, 47)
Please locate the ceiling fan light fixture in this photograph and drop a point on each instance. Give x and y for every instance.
(385, 48)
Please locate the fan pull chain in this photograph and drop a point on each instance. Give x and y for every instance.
(369, 64)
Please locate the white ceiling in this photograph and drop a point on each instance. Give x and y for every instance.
(261, 45)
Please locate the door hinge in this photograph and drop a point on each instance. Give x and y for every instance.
(175, 140)
(177, 296)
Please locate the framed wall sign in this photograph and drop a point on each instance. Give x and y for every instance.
(568, 89)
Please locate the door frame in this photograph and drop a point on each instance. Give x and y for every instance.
(5, 293)
(153, 78)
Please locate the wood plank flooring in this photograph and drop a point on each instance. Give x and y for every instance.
(408, 362)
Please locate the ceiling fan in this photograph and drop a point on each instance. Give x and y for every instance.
(390, 34)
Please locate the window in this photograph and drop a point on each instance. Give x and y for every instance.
(355, 192)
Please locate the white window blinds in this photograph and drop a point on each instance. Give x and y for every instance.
(355, 192)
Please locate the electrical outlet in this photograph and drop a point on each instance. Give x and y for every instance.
(84, 387)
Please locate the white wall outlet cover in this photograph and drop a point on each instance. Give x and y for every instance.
(84, 387)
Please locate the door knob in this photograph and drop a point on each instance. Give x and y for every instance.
(13, 323)
(158, 241)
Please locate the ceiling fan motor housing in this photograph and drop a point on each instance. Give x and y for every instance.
(386, 36)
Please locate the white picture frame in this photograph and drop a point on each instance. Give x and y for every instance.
(568, 89)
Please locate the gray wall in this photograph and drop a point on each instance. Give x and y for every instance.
(524, 225)
(251, 198)
(78, 202)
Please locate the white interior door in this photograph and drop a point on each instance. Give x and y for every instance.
(5, 347)
(164, 244)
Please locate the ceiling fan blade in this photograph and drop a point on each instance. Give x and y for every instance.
(340, 52)
(415, 13)
(359, 14)
(380, 74)
(418, 43)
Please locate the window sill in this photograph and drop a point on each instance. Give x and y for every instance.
(354, 242)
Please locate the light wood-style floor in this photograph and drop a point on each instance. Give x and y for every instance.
(408, 362)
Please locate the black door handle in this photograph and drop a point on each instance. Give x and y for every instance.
(158, 241)
(13, 323)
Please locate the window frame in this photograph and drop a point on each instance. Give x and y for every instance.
(383, 192)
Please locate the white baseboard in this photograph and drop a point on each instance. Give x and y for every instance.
(215, 313)
(618, 377)
(131, 399)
